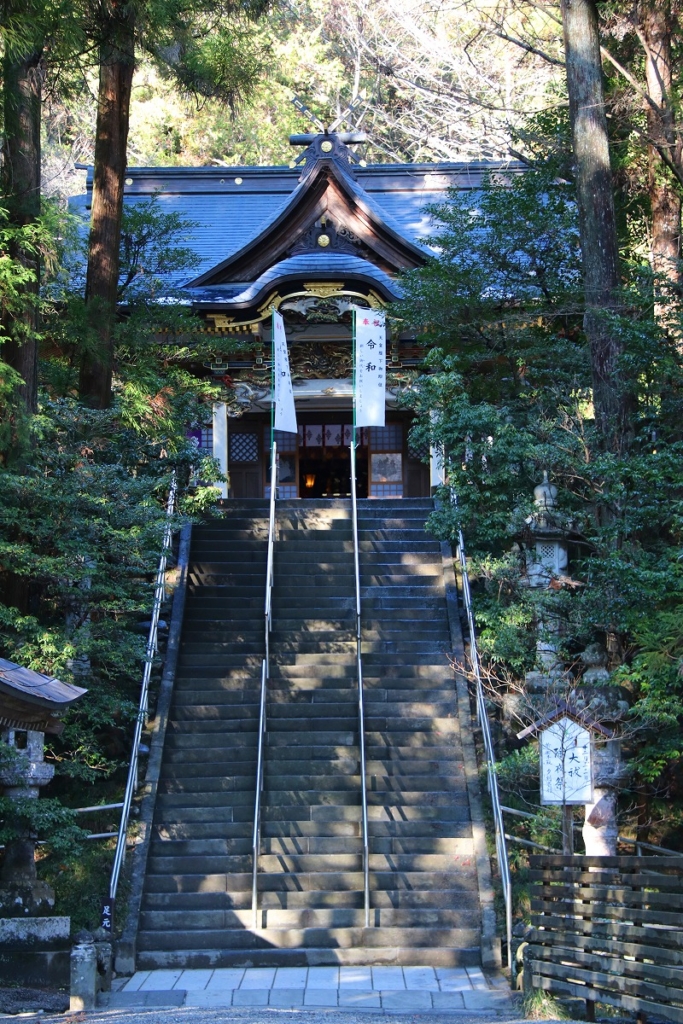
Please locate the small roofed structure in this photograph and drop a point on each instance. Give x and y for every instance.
(32, 701)
(562, 709)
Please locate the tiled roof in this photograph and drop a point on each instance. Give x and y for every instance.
(229, 207)
(326, 265)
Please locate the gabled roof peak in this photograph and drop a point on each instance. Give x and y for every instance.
(328, 148)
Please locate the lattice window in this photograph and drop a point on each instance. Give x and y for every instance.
(387, 439)
(418, 451)
(206, 439)
(243, 447)
(386, 490)
(546, 553)
(285, 442)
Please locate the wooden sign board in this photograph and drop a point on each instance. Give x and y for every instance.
(566, 770)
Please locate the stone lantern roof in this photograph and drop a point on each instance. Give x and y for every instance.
(33, 701)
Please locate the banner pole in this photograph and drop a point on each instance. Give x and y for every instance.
(355, 360)
(272, 393)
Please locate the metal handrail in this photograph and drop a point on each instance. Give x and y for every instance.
(143, 706)
(482, 718)
(265, 676)
(361, 706)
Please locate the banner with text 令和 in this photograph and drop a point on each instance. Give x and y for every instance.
(370, 367)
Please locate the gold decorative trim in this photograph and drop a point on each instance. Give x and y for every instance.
(323, 289)
(316, 289)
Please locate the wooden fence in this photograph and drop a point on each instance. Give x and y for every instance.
(609, 930)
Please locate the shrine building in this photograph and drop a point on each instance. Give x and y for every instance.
(312, 240)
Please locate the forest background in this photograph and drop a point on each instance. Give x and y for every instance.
(556, 349)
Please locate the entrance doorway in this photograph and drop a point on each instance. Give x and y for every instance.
(315, 463)
(326, 473)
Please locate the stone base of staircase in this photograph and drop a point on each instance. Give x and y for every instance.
(405, 989)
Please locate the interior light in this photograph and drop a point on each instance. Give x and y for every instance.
(309, 480)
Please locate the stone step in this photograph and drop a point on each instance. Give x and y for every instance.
(341, 763)
(269, 957)
(334, 781)
(294, 938)
(462, 876)
(239, 829)
(303, 864)
(416, 900)
(336, 917)
(297, 845)
(273, 958)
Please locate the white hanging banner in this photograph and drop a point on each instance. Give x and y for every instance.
(285, 411)
(371, 367)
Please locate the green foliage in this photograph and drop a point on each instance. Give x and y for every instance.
(509, 397)
(540, 1005)
(45, 820)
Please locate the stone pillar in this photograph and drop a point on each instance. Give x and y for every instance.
(83, 976)
(220, 442)
(601, 828)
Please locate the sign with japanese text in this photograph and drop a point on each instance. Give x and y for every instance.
(285, 411)
(566, 773)
(371, 367)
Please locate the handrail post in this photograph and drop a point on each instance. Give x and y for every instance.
(361, 706)
(265, 676)
(482, 718)
(132, 781)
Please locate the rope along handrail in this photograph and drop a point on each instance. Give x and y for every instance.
(361, 707)
(265, 676)
(143, 706)
(482, 718)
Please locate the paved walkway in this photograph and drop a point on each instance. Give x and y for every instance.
(288, 988)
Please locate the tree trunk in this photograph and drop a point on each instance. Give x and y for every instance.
(665, 195)
(111, 141)
(22, 89)
(597, 222)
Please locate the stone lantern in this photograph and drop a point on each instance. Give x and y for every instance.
(548, 554)
(546, 559)
(31, 705)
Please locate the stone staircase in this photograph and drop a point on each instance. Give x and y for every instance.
(423, 880)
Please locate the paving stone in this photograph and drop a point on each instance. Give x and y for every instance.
(258, 978)
(195, 980)
(320, 997)
(290, 977)
(407, 1000)
(449, 973)
(323, 977)
(250, 996)
(133, 984)
(421, 978)
(286, 998)
(359, 999)
(453, 979)
(448, 1000)
(159, 981)
(225, 978)
(476, 976)
(209, 1000)
(388, 978)
(494, 999)
(355, 977)
(138, 1000)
